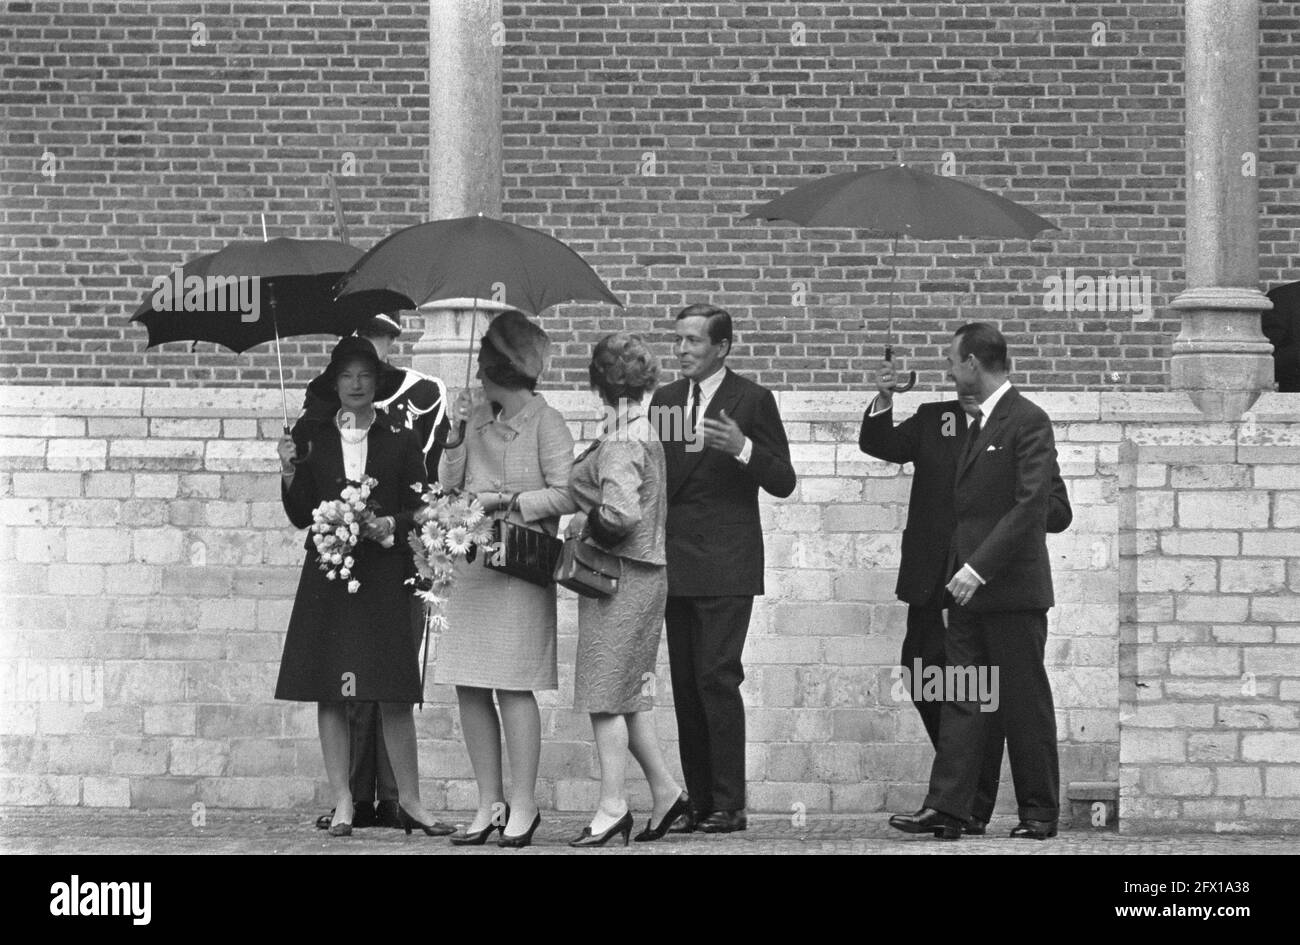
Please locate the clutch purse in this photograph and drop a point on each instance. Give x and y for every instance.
(587, 570)
(526, 553)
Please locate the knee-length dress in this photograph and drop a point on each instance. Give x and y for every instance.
(500, 629)
(343, 647)
(622, 486)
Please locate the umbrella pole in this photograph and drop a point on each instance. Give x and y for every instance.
(473, 324)
(279, 361)
(899, 387)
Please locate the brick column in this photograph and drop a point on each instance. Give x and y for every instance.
(465, 40)
(1221, 357)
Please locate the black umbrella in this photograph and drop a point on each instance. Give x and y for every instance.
(251, 292)
(903, 201)
(469, 258)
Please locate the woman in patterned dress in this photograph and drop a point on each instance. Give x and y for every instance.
(620, 487)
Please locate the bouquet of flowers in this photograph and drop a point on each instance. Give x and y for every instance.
(449, 525)
(336, 529)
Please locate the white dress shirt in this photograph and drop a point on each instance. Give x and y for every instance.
(986, 417)
(708, 387)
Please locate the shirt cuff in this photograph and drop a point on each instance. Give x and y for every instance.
(967, 567)
(877, 411)
(746, 451)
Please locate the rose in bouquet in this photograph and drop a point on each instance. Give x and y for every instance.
(336, 530)
(448, 526)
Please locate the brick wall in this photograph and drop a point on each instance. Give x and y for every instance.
(143, 540)
(165, 150)
(1210, 670)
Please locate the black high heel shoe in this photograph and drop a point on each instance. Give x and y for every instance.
(478, 838)
(588, 839)
(435, 829)
(680, 806)
(524, 839)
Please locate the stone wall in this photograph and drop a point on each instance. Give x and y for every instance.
(1210, 617)
(147, 566)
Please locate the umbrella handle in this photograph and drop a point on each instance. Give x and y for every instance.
(446, 442)
(911, 375)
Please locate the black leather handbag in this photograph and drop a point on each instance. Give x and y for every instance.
(587, 570)
(529, 554)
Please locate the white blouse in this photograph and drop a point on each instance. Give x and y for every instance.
(355, 442)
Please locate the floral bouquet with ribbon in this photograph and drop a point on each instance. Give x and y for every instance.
(336, 530)
(448, 526)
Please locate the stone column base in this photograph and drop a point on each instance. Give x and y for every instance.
(1221, 357)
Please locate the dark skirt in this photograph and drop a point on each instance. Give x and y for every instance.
(359, 647)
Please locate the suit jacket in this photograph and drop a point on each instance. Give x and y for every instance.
(1281, 326)
(392, 457)
(930, 440)
(714, 532)
(1000, 497)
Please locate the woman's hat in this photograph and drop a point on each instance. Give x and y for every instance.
(352, 348)
(521, 342)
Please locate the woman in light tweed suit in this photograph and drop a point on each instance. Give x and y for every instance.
(620, 486)
(500, 636)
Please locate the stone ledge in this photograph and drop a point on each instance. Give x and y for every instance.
(48, 400)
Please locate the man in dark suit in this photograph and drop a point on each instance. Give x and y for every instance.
(1281, 326)
(723, 441)
(420, 403)
(930, 440)
(999, 591)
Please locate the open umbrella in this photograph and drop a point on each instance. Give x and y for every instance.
(469, 258)
(251, 292)
(903, 201)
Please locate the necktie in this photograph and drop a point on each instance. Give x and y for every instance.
(695, 406)
(972, 435)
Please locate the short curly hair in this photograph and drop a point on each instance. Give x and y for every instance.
(623, 367)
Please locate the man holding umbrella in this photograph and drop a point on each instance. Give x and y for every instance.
(419, 402)
(931, 440)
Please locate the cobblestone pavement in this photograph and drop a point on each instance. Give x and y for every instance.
(102, 831)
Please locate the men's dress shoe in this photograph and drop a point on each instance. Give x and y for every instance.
(388, 814)
(975, 827)
(1034, 829)
(688, 821)
(364, 814)
(928, 820)
(723, 821)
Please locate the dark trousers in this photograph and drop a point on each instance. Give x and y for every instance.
(925, 641)
(370, 773)
(705, 638)
(1013, 642)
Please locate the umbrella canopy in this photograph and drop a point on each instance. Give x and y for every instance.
(468, 258)
(251, 292)
(904, 201)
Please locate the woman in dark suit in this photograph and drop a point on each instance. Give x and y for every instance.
(346, 647)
